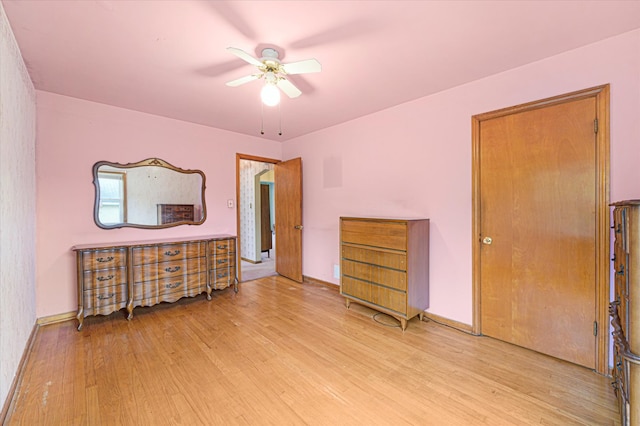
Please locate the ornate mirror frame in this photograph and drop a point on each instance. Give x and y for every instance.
(125, 172)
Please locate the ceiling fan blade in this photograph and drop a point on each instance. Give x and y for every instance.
(245, 56)
(302, 67)
(243, 80)
(288, 88)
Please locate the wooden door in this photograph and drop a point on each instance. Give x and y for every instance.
(265, 218)
(288, 220)
(538, 192)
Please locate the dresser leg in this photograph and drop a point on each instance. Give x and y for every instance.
(130, 310)
(403, 324)
(80, 317)
(421, 316)
(347, 302)
(208, 293)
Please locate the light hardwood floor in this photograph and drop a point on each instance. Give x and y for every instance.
(284, 353)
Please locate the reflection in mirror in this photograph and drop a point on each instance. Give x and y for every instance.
(149, 194)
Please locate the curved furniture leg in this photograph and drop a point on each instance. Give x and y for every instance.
(130, 309)
(80, 317)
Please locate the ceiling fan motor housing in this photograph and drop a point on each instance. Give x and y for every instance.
(270, 60)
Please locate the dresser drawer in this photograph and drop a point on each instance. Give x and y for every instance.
(172, 269)
(224, 260)
(102, 259)
(384, 297)
(155, 291)
(168, 252)
(375, 274)
(218, 247)
(376, 257)
(105, 300)
(392, 235)
(222, 278)
(104, 278)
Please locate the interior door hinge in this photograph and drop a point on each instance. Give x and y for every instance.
(595, 328)
(595, 126)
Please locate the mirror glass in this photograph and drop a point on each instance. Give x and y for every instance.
(149, 194)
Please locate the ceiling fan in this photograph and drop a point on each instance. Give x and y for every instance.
(274, 73)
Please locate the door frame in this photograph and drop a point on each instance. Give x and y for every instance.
(603, 267)
(238, 242)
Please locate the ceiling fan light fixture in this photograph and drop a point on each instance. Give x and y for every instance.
(270, 94)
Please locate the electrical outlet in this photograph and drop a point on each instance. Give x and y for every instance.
(336, 271)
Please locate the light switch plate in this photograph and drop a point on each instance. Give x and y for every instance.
(230, 204)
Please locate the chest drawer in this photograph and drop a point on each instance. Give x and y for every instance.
(224, 260)
(101, 259)
(375, 274)
(381, 296)
(168, 252)
(155, 291)
(104, 278)
(386, 234)
(105, 300)
(375, 257)
(176, 268)
(219, 247)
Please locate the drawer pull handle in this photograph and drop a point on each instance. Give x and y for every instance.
(105, 296)
(172, 253)
(221, 261)
(222, 274)
(621, 270)
(221, 247)
(176, 269)
(107, 278)
(173, 285)
(105, 259)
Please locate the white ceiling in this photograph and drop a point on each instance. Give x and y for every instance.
(169, 58)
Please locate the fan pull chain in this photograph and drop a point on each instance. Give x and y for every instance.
(261, 118)
(280, 119)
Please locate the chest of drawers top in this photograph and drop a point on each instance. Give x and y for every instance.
(142, 243)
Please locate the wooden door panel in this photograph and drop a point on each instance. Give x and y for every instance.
(288, 220)
(265, 219)
(538, 205)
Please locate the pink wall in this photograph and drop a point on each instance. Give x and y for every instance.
(415, 160)
(72, 135)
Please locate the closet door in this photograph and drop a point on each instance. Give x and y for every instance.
(538, 224)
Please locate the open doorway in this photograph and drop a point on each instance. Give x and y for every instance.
(256, 217)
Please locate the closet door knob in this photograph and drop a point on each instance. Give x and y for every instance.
(487, 240)
(298, 226)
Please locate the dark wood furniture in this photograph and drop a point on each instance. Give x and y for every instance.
(624, 312)
(144, 273)
(266, 242)
(171, 213)
(385, 265)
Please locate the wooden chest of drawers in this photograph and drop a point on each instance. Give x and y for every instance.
(170, 213)
(625, 310)
(222, 263)
(114, 276)
(385, 265)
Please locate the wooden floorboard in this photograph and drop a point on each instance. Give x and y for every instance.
(284, 353)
